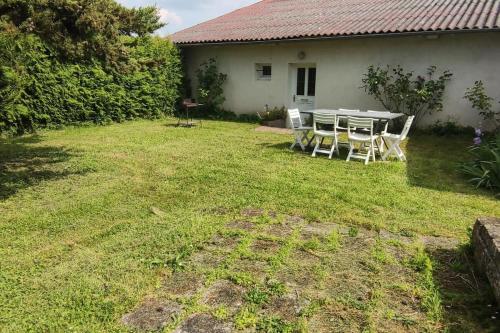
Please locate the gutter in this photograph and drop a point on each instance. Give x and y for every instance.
(342, 37)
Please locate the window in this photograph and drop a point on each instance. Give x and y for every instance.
(264, 71)
(311, 82)
(301, 81)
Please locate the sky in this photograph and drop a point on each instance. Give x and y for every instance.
(181, 14)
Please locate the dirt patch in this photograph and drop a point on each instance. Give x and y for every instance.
(207, 259)
(389, 236)
(445, 243)
(203, 323)
(319, 230)
(264, 246)
(241, 225)
(287, 307)
(223, 243)
(337, 318)
(278, 230)
(294, 219)
(252, 212)
(258, 269)
(152, 315)
(225, 293)
(184, 284)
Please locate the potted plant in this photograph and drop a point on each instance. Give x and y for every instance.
(275, 117)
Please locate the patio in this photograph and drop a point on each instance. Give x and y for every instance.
(118, 212)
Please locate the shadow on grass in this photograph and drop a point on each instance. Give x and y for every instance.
(433, 163)
(22, 164)
(468, 302)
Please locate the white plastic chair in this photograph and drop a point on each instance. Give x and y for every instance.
(380, 144)
(321, 119)
(393, 141)
(386, 127)
(367, 141)
(342, 119)
(300, 131)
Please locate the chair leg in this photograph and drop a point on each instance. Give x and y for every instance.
(401, 154)
(392, 149)
(332, 150)
(336, 143)
(316, 148)
(351, 151)
(372, 151)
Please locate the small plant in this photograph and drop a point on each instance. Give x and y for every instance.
(275, 288)
(334, 240)
(484, 169)
(353, 232)
(398, 91)
(274, 325)
(257, 296)
(210, 89)
(311, 245)
(222, 313)
(273, 114)
(429, 292)
(483, 103)
(445, 128)
(246, 318)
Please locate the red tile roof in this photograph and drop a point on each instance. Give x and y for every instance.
(298, 19)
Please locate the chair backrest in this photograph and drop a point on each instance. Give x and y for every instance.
(386, 126)
(324, 118)
(294, 116)
(407, 127)
(372, 111)
(365, 123)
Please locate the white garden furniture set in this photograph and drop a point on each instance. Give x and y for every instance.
(367, 133)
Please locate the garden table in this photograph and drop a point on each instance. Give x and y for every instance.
(380, 116)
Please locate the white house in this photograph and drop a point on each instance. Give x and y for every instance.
(313, 53)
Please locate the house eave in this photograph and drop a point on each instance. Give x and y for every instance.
(337, 37)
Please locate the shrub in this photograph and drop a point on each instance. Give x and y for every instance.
(38, 90)
(484, 169)
(274, 114)
(483, 103)
(210, 87)
(400, 92)
(449, 128)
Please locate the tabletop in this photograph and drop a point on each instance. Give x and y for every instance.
(359, 114)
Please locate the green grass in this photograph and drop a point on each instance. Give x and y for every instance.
(92, 217)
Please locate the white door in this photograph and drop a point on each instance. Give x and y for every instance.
(303, 87)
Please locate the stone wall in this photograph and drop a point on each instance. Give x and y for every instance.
(486, 243)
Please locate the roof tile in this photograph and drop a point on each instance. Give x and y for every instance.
(293, 19)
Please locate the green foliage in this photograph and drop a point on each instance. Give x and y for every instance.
(426, 287)
(274, 325)
(246, 318)
(353, 232)
(273, 114)
(38, 90)
(484, 169)
(446, 128)
(80, 29)
(257, 296)
(480, 100)
(400, 92)
(210, 87)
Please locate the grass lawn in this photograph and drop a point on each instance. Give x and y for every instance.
(99, 223)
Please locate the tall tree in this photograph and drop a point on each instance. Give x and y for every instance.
(80, 29)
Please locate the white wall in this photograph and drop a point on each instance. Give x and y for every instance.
(342, 63)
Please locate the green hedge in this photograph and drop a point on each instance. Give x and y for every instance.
(37, 90)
